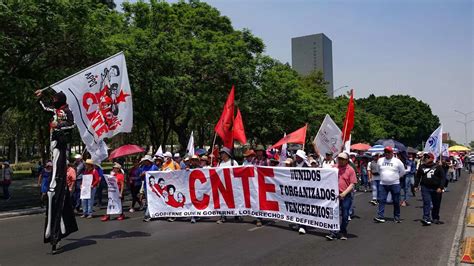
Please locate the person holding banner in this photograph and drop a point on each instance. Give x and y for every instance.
(431, 179)
(328, 161)
(346, 180)
(120, 179)
(147, 164)
(87, 204)
(226, 161)
(60, 220)
(301, 161)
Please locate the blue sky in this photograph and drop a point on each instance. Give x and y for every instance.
(417, 47)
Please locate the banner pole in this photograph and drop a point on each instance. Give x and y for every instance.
(82, 71)
(212, 148)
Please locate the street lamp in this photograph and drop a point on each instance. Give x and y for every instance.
(342, 87)
(465, 122)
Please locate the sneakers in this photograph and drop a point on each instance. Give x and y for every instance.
(397, 220)
(131, 210)
(171, 219)
(83, 216)
(121, 217)
(147, 219)
(403, 204)
(425, 222)
(379, 220)
(349, 218)
(105, 218)
(374, 202)
(343, 237)
(331, 236)
(435, 221)
(259, 223)
(302, 231)
(220, 221)
(89, 216)
(193, 220)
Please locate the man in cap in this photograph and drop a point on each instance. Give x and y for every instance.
(169, 164)
(261, 157)
(328, 161)
(391, 169)
(194, 162)
(87, 204)
(346, 180)
(431, 179)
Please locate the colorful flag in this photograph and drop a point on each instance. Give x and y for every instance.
(238, 129)
(298, 137)
(349, 120)
(100, 99)
(329, 137)
(190, 148)
(445, 150)
(434, 142)
(224, 125)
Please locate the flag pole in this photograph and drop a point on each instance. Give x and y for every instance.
(212, 148)
(82, 71)
(345, 126)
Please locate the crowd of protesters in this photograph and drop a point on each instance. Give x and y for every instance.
(390, 178)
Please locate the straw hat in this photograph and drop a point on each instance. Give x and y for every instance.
(89, 161)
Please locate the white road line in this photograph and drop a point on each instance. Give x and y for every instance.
(255, 228)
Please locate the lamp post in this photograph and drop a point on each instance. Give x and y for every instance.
(465, 123)
(342, 87)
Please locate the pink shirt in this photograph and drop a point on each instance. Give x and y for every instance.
(346, 176)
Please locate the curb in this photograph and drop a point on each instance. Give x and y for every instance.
(21, 212)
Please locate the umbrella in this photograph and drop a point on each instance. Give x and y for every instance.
(376, 148)
(392, 143)
(360, 147)
(412, 150)
(200, 152)
(458, 148)
(125, 150)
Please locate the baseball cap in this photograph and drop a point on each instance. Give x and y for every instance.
(343, 155)
(388, 149)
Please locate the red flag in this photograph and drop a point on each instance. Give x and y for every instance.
(238, 130)
(349, 121)
(298, 136)
(224, 125)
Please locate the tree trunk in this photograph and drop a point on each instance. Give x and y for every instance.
(16, 149)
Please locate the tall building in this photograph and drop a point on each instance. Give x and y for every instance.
(313, 52)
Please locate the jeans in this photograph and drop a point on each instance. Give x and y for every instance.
(344, 206)
(76, 195)
(409, 182)
(395, 192)
(365, 180)
(375, 189)
(458, 173)
(430, 196)
(88, 203)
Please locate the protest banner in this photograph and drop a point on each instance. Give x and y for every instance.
(329, 137)
(86, 186)
(101, 100)
(307, 196)
(114, 205)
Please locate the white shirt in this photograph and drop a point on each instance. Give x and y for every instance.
(390, 171)
(228, 163)
(329, 164)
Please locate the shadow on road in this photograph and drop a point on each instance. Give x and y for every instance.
(77, 244)
(88, 240)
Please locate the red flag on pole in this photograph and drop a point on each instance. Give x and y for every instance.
(224, 125)
(298, 136)
(238, 130)
(349, 121)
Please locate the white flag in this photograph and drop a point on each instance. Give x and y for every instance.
(159, 152)
(329, 137)
(190, 148)
(434, 142)
(283, 153)
(445, 150)
(100, 99)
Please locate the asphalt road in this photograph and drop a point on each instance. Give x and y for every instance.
(134, 242)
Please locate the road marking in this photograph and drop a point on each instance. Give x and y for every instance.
(255, 228)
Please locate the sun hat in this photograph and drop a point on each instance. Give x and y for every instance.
(301, 154)
(90, 161)
(226, 150)
(168, 154)
(147, 158)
